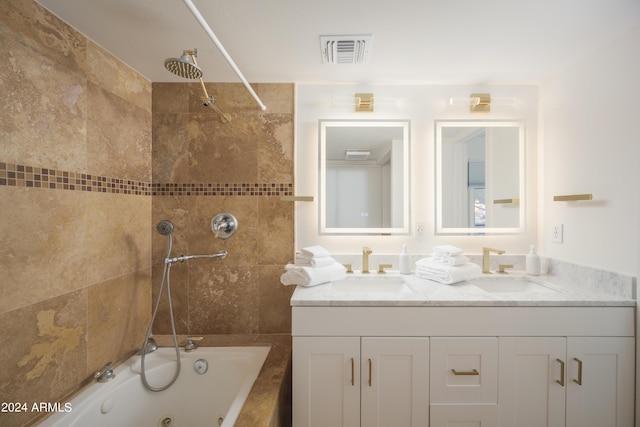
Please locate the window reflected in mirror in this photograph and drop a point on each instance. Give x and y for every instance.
(479, 177)
(364, 177)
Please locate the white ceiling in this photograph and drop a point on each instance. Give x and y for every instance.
(414, 41)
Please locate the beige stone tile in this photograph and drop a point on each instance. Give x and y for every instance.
(118, 235)
(178, 276)
(226, 153)
(170, 98)
(110, 73)
(43, 353)
(170, 147)
(276, 232)
(274, 303)
(276, 154)
(223, 299)
(278, 97)
(43, 110)
(118, 137)
(44, 32)
(242, 247)
(42, 244)
(118, 316)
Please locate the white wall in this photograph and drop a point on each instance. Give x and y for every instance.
(422, 105)
(590, 133)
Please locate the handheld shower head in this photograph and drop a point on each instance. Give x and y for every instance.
(185, 66)
(165, 227)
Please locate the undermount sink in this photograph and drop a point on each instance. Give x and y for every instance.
(386, 284)
(510, 285)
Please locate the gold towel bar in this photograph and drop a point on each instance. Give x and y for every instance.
(296, 198)
(506, 201)
(573, 197)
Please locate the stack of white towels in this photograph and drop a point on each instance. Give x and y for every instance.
(313, 266)
(447, 265)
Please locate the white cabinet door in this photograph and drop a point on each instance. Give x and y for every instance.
(532, 382)
(395, 382)
(326, 381)
(600, 382)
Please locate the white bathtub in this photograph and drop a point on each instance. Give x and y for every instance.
(212, 399)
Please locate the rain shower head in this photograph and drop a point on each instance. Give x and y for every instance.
(185, 66)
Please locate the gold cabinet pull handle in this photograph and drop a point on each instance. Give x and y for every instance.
(369, 372)
(353, 371)
(473, 372)
(561, 380)
(579, 380)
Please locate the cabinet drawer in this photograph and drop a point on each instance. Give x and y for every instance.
(464, 370)
(464, 415)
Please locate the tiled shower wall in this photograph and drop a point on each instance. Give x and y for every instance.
(77, 246)
(202, 167)
(75, 203)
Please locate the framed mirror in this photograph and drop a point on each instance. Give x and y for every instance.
(480, 177)
(364, 176)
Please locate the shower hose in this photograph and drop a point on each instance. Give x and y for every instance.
(166, 279)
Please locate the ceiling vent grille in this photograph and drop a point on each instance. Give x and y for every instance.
(346, 49)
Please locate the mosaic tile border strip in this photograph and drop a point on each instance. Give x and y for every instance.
(14, 175)
(218, 189)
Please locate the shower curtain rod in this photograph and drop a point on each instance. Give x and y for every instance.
(203, 23)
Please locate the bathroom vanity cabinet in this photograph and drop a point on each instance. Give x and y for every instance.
(440, 366)
(353, 381)
(572, 381)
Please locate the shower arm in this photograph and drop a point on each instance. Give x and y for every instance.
(184, 258)
(203, 23)
(224, 117)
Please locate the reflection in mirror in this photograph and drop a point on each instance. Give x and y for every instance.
(479, 177)
(364, 177)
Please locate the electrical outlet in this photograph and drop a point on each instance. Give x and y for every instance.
(420, 230)
(556, 233)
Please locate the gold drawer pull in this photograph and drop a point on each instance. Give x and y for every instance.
(369, 372)
(561, 380)
(474, 372)
(579, 380)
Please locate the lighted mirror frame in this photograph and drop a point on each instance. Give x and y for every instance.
(323, 125)
(440, 229)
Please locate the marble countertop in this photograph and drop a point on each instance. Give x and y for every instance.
(422, 292)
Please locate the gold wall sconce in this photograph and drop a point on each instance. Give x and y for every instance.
(480, 103)
(364, 102)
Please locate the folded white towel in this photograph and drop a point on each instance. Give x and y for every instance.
(448, 274)
(445, 260)
(446, 250)
(306, 261)
(312, 276)
(315, 252)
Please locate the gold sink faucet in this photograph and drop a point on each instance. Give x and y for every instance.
(486, 258)
(366, 251)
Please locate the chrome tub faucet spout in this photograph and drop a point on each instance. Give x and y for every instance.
(191, 345)
(105, 374)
